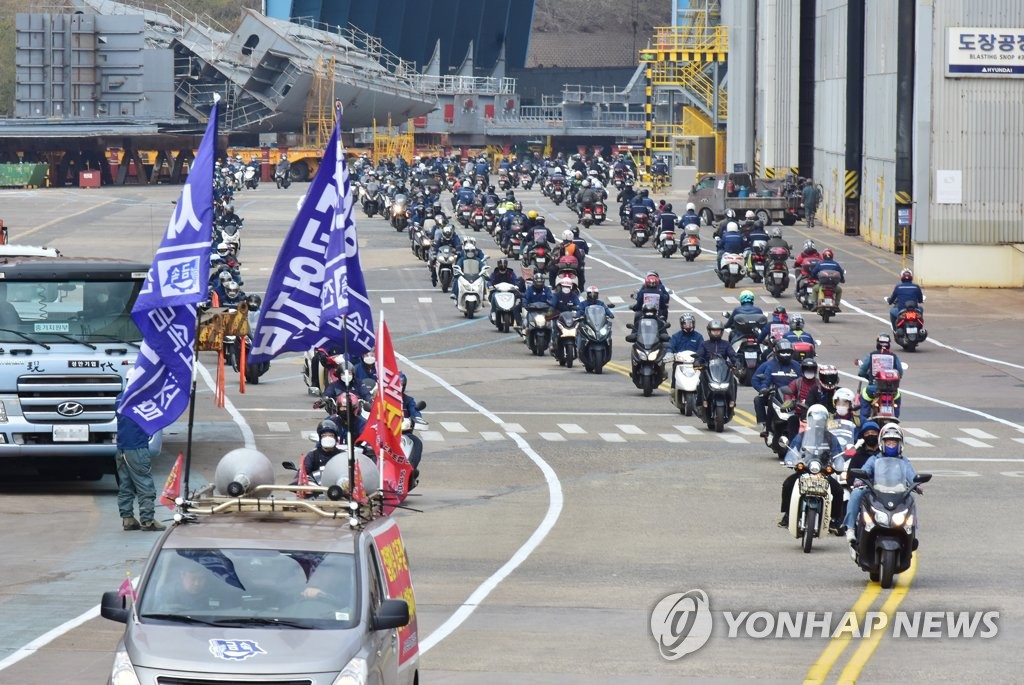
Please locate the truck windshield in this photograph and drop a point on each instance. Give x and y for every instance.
(252, 588)
(51, 311)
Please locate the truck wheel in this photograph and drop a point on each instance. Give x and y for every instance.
(707, 217)
(788, 219)
(299, 172)
(764, 216)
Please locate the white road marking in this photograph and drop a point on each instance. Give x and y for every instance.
(453, 427)
(387, 300)
(426, 300)
(552, 437)
(729, 437)
(615, 299)
(978, 433)
(742, 430)
(730, 299)
(278, 426)
(512, 428)
(630, 429)
(431, 436)
(672, 437)
(692, 300)
(1020, 440)
(915, 442)
(612, 437)
(919, 432)
(769, 299)
(490, 436)
(688, 430)
(555, 501)
(572, 428)
(971, 442)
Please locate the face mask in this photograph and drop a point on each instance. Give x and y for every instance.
(369, 360)
(871, 442)
(842, 410)
(891, 450)
(809, 376)
(328, 443)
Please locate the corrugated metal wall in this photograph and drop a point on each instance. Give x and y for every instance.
(878, 176)
(778, 97)
(830, 107)
(978, 128)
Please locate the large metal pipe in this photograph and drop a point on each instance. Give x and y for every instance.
(805, 135)
(904, 122)
(740, 18)
(854, 113)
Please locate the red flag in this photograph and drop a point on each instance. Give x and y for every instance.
(172, 487)
(126, 589)
(384, 428)
(303, 479)
(359, 488)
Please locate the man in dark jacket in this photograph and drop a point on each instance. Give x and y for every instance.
(135, 477)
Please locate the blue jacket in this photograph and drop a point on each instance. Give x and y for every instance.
(465, 196)
(830, 265)
(765, 377)
(644, 202)
(908, 470)
(130, 435)
(482, 168)
(709, 349)
(562, 302)
(455, 241)
(506, 276)
(732, 241)
(801, 336)
(682, 341)
(689, 218)
(409, 406)
(532, 296)
(584, 303)
(743, 309)
(905, 292)
(662, 299)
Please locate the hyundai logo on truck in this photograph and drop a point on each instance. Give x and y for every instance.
(70, 409)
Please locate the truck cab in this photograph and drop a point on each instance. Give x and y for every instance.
(67, 341)
(713, 194)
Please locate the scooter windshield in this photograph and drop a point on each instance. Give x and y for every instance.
(647, 333)
(595, 316)
(471, 268)
(889, 478)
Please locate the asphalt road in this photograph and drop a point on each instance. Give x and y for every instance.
(575, 503)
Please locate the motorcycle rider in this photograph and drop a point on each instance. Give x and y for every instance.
(464, 196)
(882, 358)
(865, 448)
(233, 295)
(327, 446)
(796, 330)
(469, 253)
(746, 308)
(905, 291)
(800, 394)
(844, 422)
(652, 291)
(537, 291)
(776, 327)
(775, 239)
(365, 374)
(731, 241)
(643, 200)
(828, 383)
(690, 216)
(564, 299)
(626, 195)
(665, 221)
(777, 371)
(687, 338)
(715, 346)
(817, 435)
(592, 299)
(443, 235)
(569, 237)
(587, 198)
(809, 251)
(828, 263)
(537, 235)
(891, 440)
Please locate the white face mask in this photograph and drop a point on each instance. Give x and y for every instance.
(369, 359)
(842, 410)
(809, 376)
(328, 443)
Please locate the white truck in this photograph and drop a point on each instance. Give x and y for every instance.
(67, 342)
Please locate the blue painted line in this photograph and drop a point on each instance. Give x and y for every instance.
(460, 349)
(440, 330)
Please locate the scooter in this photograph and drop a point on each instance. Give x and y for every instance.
(685, 381)
(810, 504)
(689, 242)
(648, 370)
(756, 261)
(566, 326)
(730, 269)
(910, 330)
(886, 528)
(665, 242)
(716, 401)
(471, 287)
(776, 275)
(506, 299)
(640, 230)
(538, 332)
(446, 258)
(282, 177)
(399, 212)
(827, 305)
(594, 341)
(749, 351)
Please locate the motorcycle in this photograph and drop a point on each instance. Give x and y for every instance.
(885, 405)
(525, 180)
(886, 528)
(776, 274)
(685, 381)
(827, 305)
(503, 181)
(810, 504)
(730, 269)
(689, 242)
(399, 212)
(910, 330)
(716, 401)
(778, 419)
(665, 242)
(566, 325)
(749, 351)
(648, 370)
(282, 177)
(538, 332)
(805, 284)
(600, 212)
(372, 204)
(640, 229)
(539, 257)
(756, 261)
(233, 351)
(472, 285)
(446, 258)
(587, 216)
(251, 175)
(490, 218)
(506, 299)
(412, 445)
(557, 194)
(463, 214)
(594, 342)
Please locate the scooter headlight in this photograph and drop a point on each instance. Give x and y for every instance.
(899, 518)
(815, 466)
(720, 386)
(540, 320)
(605, 330)
(881, 517)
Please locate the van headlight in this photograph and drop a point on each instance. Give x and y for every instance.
(122, 672)
(353, 674)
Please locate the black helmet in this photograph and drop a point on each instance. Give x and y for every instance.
(538, 280)
(687, 319)
(490, 189)
(539, 221)
(883, 342)
(502, 264)
(327, 426)
(255, 301)
(668, 206)
(715, 325)
(783, 351)
(809, 365)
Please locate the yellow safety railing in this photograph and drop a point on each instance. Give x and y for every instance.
(693, 77)
(690, 38)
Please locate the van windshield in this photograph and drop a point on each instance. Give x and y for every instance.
(51, 310)
(252, 588)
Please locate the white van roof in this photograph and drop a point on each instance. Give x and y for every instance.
(28, 251)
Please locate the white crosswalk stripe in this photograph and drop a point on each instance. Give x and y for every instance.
(730, 299)
(729, 437)
(572, 428)
(453, 427)
(431, 436)
(513, 428)
(692, 300)
(688, 430)
(769, 300)
(278, 426)
(615, 299)
(612, 437)
(672, 437)
(552, 437)
(387, 300)
(491, 436)
(978, 433)
(916, 442)
(629, 429)
(971, 442)
(742, 430)
(426, 300)
(919, 432)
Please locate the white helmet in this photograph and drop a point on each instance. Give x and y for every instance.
(749, 214)
(568, 235)
(690, 207)
(843, 395)
(731, 227)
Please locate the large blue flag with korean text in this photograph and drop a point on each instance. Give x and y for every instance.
(316, 293)
(157, 392)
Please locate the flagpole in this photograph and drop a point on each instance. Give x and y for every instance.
(187, 466)
(380, 395)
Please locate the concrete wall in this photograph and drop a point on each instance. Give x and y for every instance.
(830, 108)
(777, 92)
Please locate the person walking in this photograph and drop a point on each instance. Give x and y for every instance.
(811, 199)
(135, 477)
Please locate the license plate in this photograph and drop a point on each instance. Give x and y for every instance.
(828, 302)
(734, 268)
(912, 330)
(750, 355)
(71, 433)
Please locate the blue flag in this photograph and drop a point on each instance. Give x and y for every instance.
(157, 391)
(316, 292)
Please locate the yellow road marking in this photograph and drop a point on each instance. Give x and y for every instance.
(820, 670)
(30, 231)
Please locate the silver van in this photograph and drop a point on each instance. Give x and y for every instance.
(270, 591)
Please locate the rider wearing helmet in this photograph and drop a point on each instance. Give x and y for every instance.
(775, 239)
(444, 234)
(233, 294)
(828, 383)
(470, 253)
(906, 291)
(652, 292)
(690, 216)
(688, 338)
(828, 263)
(715, 346)
(890, 439)
(809, 251)
(796, 330)
(882, 358)
(592, 299)
(329, 440)
(809, 445)
(731, 241)
(537, 291)
(779, 371)
(746, 309)
(844, 422)
(777, 326)
(802, 393)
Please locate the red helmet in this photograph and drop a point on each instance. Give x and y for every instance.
(651, 281)
(906, 275)
(827, 253)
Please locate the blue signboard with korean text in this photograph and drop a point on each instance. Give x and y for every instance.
(973, 51)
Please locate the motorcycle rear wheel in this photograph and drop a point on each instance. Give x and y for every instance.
(812, 525)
